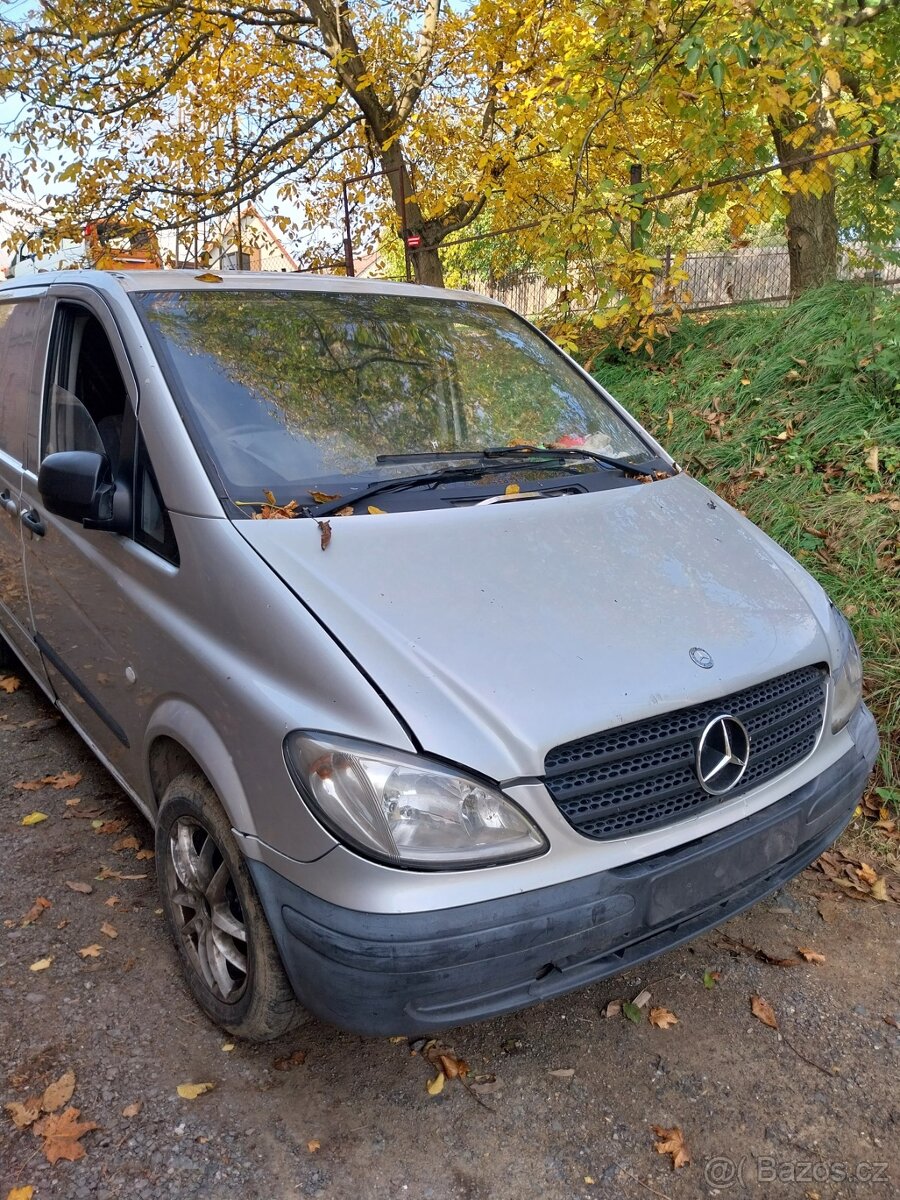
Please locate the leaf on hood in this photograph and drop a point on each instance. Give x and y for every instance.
(435, 1086)
(346, 511)
(763, 1011)
(512, 489)
(75, 885)
(376, 511)
(662, 1018)
(324, 497)
(324, 534)
(42, 963)
(10, 684)
(62, 1135)
(36, 911)
(59, 1093)
(34, 818)
(190, 1091)
(671, 1142)
(811, 956)
(25, 1114)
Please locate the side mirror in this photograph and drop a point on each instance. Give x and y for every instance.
(77, 484)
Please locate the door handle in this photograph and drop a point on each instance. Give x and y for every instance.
(9, 505)
(31, 520)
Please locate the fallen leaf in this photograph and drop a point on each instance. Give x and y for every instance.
(143, 855)
(10, 684)
(62, 1135)
(632, 1012)
(613, 1008)
(109, 873)
(109, 930)
(888, 1020)
(26, 1114)
(453, 1068)
(75, 885)
(59, 1093)
(313, 1145)
(641, 999)
(346, 511)
(111, 901)
(324, 497)
(109, 827)
(132, 1110)
(227, 1047)
(37, 910)
(71, 801)
(763, 1011)
(129, 842)
(485, 1085)
(190, 1091)
(512, 489)
(671, 1141)
(811, 956)
(872, 459)
(34, 818)
(324, 534)
(42, 964)
(563, 1073)
(711, 978)
(376, 511)
(63, 923)
(662, 1018)
(297, 1059)
(867, 874)
(21, 1193)
(435, 1086)
(879, 889)
(93, 951)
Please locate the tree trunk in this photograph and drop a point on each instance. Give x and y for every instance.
(427, 266)
(426, 262)
(812, 237)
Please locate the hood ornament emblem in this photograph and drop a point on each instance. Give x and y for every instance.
(723, 753)
(701, 657)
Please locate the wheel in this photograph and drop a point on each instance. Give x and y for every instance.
(216, 919)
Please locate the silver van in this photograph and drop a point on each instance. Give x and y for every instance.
(419, 748)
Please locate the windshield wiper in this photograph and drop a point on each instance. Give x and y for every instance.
(519, 453)
(425, 479)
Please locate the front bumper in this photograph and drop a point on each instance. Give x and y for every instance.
(416, 973)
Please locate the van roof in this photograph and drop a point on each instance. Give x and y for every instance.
(177, 281)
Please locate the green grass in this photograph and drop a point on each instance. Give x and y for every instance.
(825, 374)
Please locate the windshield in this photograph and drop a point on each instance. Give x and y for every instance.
(287, 388)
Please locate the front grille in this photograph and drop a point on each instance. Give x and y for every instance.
(640, 776)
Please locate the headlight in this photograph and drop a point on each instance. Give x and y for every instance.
(405, 810)
(846, 676)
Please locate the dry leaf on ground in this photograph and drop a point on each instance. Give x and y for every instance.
(93, 951)
(129, 842)
(10, 684)
(763, 1011)
(109, 930)
(23, 1115)
(37, 910)
(132, 1110)
(671, 1141)
(297, 1059)
(59, 1093)
(811, 956)
(62, 1135)
(42, 963)
(435, 1086)
(612, 1009)
(190, 1091)
(34, 818)
(662, 1018)
(564, 1073)
(21, 1193)
(75, 885)
(313, 1145)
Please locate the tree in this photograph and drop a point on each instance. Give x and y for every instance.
(175, 111)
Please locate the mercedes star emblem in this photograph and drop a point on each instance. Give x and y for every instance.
(722, 754)
(701, 657)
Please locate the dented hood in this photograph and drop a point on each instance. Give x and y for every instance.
(498, 632)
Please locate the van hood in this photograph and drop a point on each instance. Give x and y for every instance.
(498, 632)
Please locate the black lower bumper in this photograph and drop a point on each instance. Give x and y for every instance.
(420, 972)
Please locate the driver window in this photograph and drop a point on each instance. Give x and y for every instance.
(86, 395)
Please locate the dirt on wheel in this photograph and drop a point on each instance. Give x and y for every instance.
(597, 1094)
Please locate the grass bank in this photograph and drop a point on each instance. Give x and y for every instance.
(793, 416)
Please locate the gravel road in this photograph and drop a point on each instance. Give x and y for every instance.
(809, 1110)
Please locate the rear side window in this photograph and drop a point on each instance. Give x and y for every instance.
(18, 337)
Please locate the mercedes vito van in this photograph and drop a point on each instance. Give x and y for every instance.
(445, 690)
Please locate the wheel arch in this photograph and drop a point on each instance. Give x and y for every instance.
(181, 738)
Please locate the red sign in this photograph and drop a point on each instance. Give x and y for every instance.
(414, 241)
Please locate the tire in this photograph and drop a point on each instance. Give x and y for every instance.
(217, 922)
